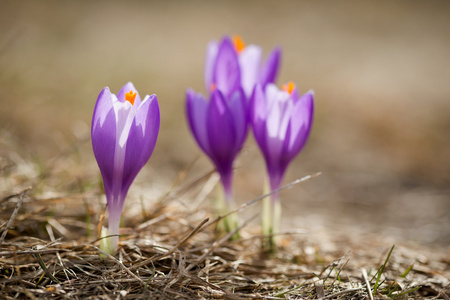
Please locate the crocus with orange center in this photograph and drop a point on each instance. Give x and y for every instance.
(124, 132)
(251, 69)
(281, 120)
(219, 121)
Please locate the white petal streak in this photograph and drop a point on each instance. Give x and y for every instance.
(142, 121)
(125, 113)
(250, 61)
(279, 109)
(211, 55)
(286, 114)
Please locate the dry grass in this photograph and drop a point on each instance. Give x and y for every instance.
(171, 251)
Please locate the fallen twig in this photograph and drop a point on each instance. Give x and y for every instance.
(340, 293)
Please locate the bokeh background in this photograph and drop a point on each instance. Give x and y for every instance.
(380, 72)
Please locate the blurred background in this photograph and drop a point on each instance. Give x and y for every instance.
(380, 72)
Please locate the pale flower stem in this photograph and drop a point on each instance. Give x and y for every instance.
(266, 221)
(109, 244)
(225, 204)
(113, 229)
(271, 219)
(105, 243)
(276, 208)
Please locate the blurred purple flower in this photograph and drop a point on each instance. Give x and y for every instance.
(124, 132)
(220, 128)
(281, 121)
(221, 74)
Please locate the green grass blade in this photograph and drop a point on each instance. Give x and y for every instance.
(407, 271)
(381, 270)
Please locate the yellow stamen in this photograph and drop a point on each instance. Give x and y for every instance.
(212, 88)
(289, 87)
(130, 96)
(238, 43)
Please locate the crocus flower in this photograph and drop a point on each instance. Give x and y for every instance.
(219, 124)
(252, 70)
(281, 121)
(124, 132)
(220, 128)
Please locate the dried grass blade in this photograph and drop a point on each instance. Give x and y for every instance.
(218, 243)
(251, 202)
(369, 291)
(168, 253)
(340, 293)
(14, 214)
(120, 263)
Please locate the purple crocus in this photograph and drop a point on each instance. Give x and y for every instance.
(220, 123)
(220, 128)
(252, 70)
(281, 121)
(124, 132)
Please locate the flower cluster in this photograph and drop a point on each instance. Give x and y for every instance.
(241, 92)
(219, 123)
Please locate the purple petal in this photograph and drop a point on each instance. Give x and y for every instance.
(221, 132)
(276, 174)
(281, 127)
(196, 110)
(286, 153)
(269, 70)
(286, 115)
(258, 118)
(250, 62)
(211, 55)
(277, 119)
(125, 89)
(226, 73)
(125, 113)
(141, 140)
(237, 106)
(301, 122)
(273, 95)
(277, 162)
(103, 135)
(295, 94)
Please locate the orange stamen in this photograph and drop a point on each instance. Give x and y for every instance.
(212, 88)
(238, 43)
(130, 96)
(289, 87)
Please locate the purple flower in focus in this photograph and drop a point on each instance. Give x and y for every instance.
(124, 132)
(252, 70)
(220, 128)
(281, 121)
